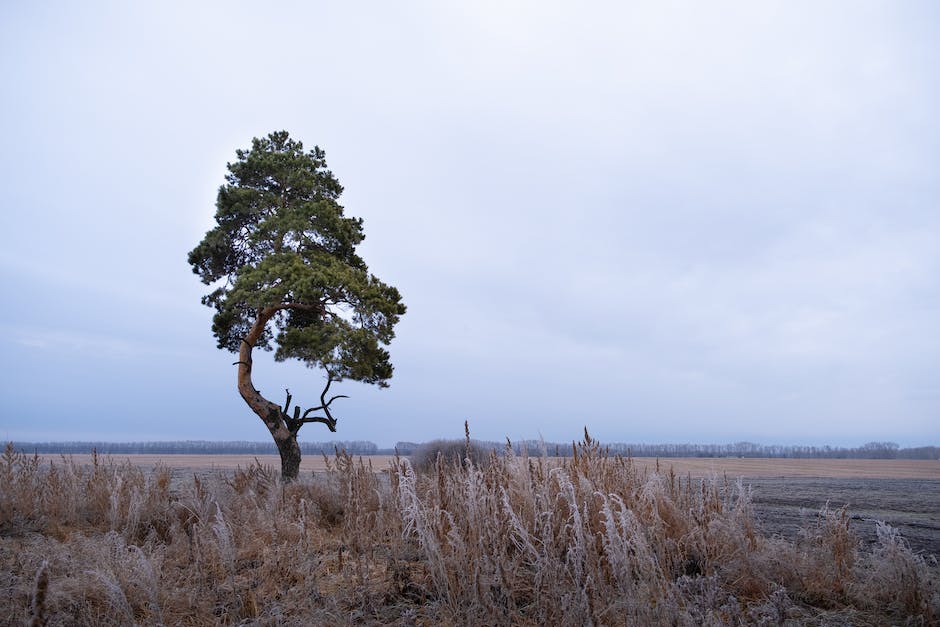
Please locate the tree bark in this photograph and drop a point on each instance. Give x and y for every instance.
(270, 413)
(289, 450)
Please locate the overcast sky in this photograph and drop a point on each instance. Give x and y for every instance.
(670, 222)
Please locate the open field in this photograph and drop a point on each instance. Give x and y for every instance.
(697, 467)
(902, 493)
(586, 540)
(831, 468)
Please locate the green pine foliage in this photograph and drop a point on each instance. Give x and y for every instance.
(283, 242)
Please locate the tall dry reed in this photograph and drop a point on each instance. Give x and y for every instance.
(513, 540)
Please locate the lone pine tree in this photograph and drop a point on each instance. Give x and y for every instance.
(283, 261)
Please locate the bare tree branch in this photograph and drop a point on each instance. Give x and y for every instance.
(325, 405)
(329, 382)
(298, 420)
(328, 421)
(287, 402)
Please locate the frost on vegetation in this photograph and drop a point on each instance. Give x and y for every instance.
(590, 540)
(895, 578)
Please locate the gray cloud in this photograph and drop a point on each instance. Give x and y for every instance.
(668, 222)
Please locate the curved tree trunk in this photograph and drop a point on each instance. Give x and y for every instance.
(270, 413)
(290, 457)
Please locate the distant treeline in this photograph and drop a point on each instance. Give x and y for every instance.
(871, 450)
(193, 447)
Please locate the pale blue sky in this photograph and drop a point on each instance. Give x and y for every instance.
(669, 221)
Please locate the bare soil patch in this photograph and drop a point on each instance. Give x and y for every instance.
(768, 467)
(785, 504)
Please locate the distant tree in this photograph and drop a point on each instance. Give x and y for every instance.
(879, 450)
(283, 262)
(425, 457)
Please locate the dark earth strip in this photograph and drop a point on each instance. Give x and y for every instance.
(784, 504)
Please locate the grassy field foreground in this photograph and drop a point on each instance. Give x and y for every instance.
(697, 467)
(587, 540)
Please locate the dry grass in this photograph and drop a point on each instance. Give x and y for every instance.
(588, 540)
(695, 466)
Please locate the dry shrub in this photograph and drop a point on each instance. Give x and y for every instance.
(448, 452)
(509, 540)
(895, 580)
(125, 547)
(59, 498)
(517, 539)
(826, 554)
(594, 541)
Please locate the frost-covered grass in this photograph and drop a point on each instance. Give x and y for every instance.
(515, 540)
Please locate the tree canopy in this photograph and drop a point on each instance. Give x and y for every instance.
(282, 242)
